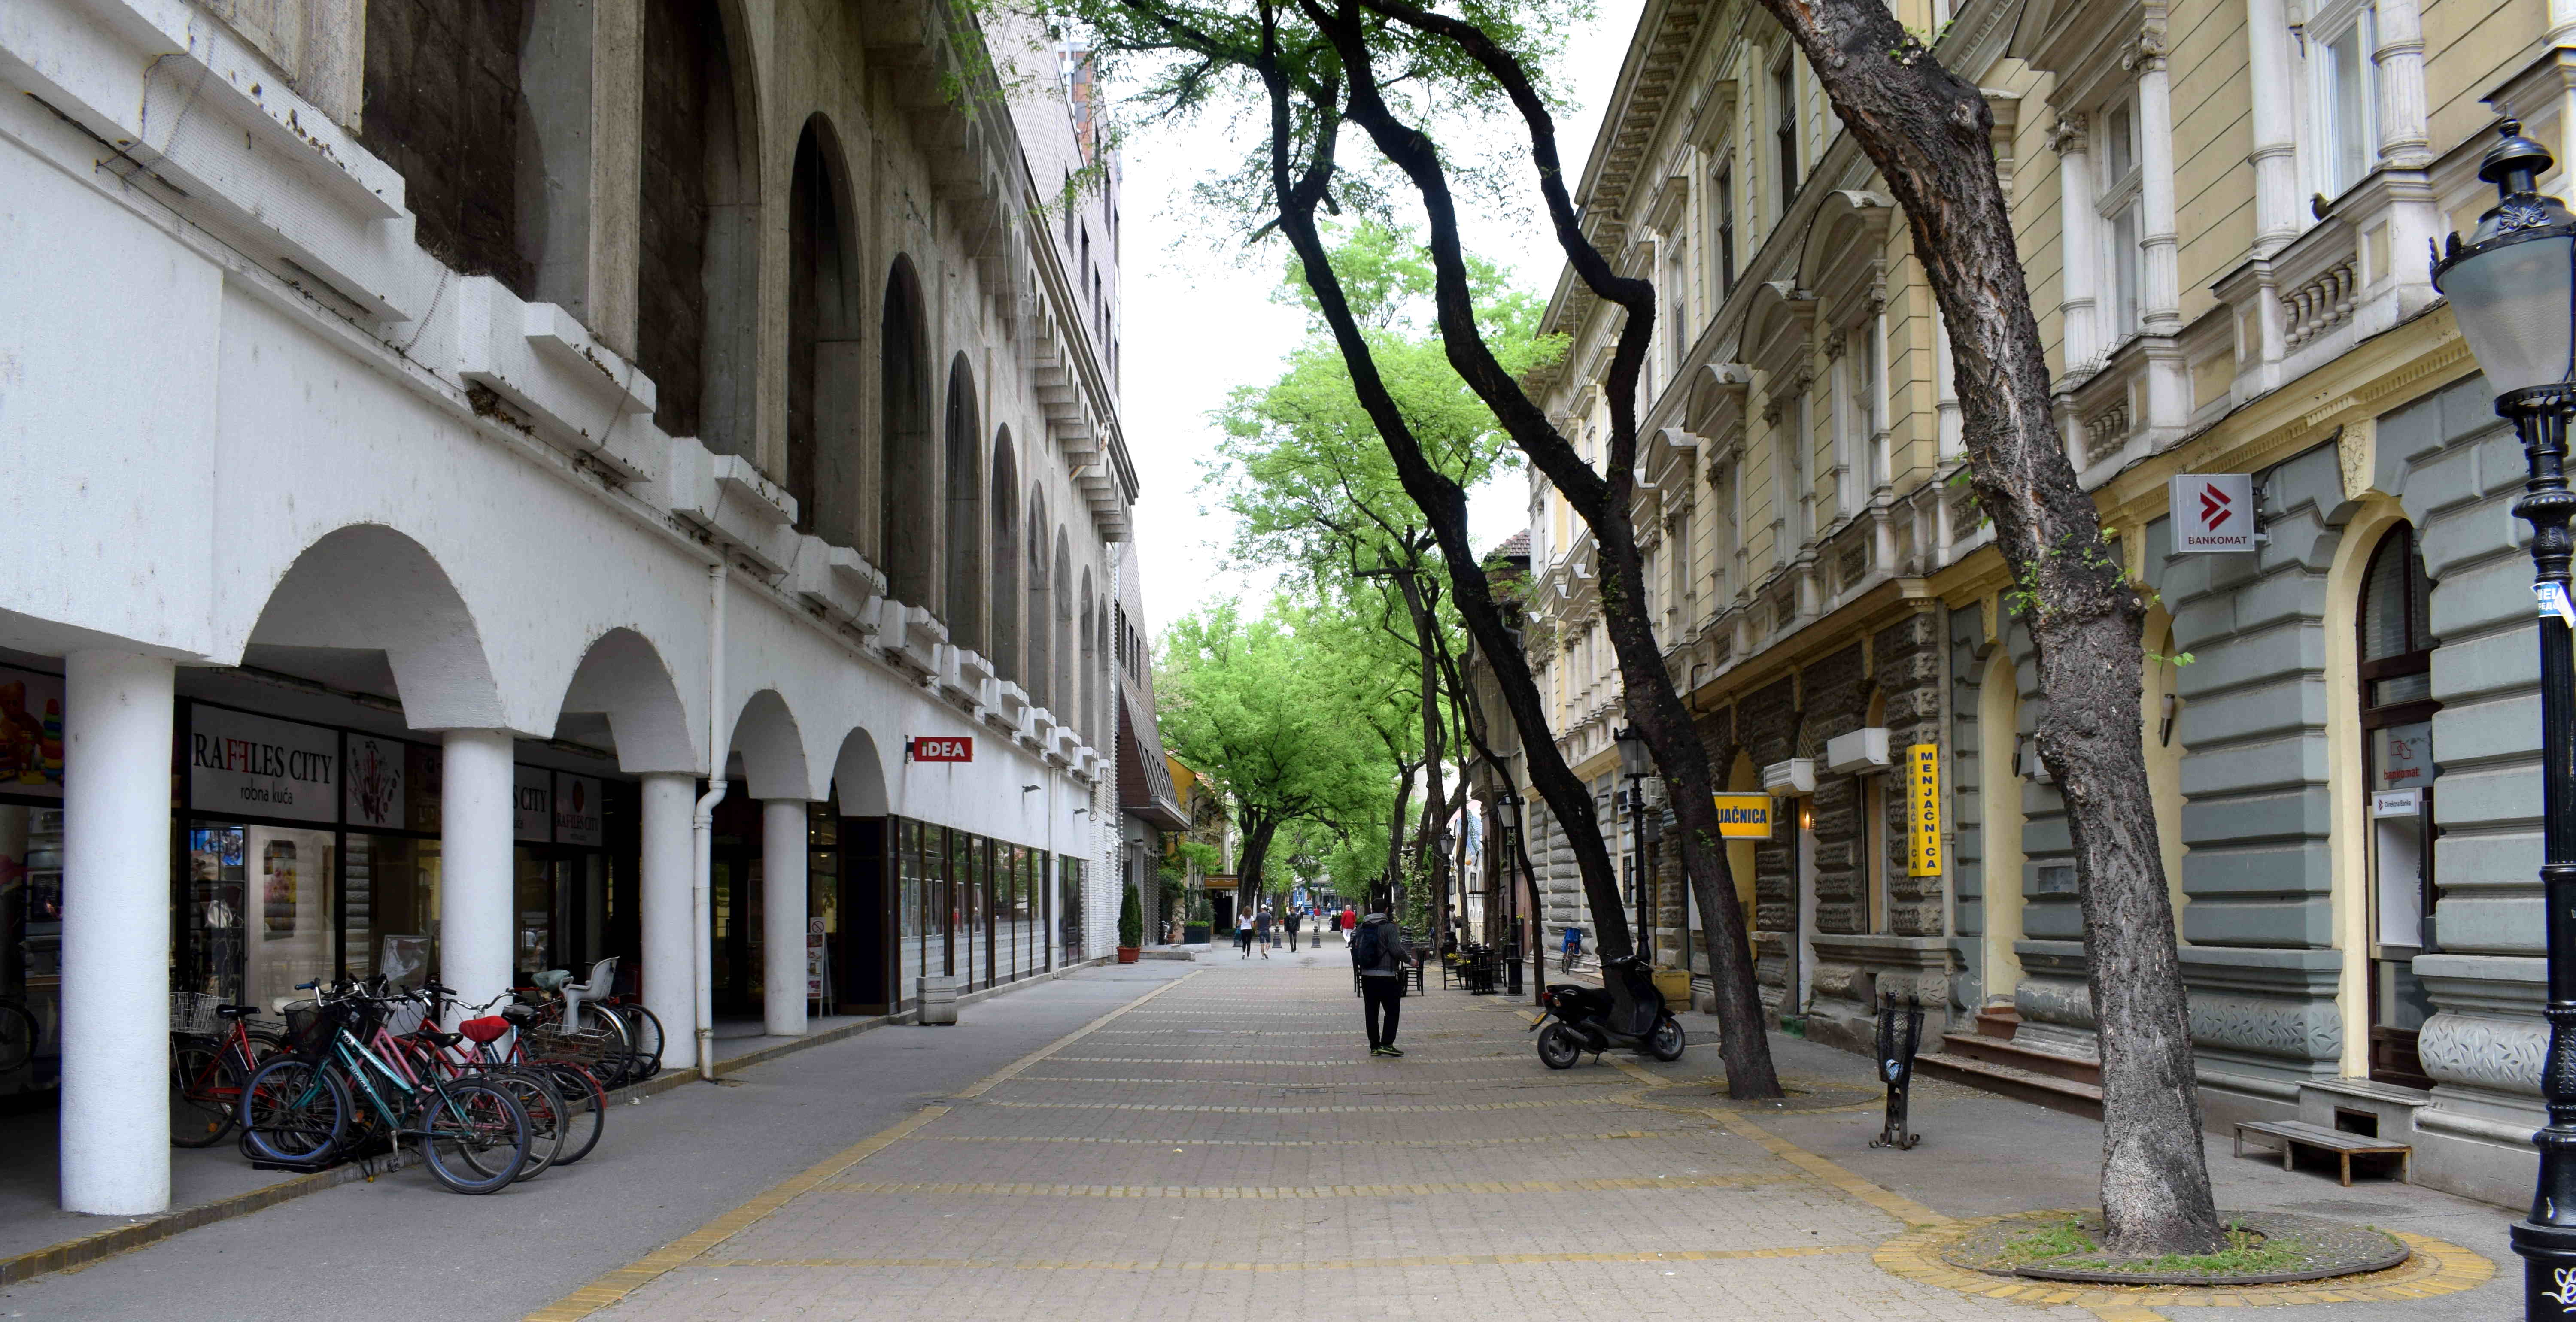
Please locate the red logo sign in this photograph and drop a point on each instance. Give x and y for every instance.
(2214, 507)
(960, 748)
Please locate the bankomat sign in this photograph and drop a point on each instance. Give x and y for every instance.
(2213, 511)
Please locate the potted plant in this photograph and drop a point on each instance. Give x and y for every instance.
(1131, 928)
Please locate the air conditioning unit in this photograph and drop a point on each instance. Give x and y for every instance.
(1793, 777)
(1857, 753)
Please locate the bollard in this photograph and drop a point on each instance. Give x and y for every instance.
(1896, 1043)
(939, 1000)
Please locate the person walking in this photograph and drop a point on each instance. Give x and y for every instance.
(1261, 933)
(1382, 955)
(1243, 937)
(1295, 920)
(1349, 924)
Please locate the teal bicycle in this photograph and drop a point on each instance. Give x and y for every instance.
(303, 1108)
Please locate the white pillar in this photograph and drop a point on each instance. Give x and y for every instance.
(2160, 302)
(2405, 137)
(2275, 102)
(782, 913)
(2077, 247)
(478, 826)
(116, 933)
(670, 955)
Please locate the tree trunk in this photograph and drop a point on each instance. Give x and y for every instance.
(1395, 837)
(1425, 623)
(1257, 835)
(1442, 503)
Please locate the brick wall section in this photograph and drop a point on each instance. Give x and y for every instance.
(442, 108)
(1906, 659)
(684, 56)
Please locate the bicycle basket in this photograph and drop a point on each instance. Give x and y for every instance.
(308, 1029)
(194, 1013)
(403, 1018)
(553, 1043)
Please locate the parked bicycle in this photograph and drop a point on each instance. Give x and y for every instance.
(214, 1049)
(330, 1093)
(18, 1034)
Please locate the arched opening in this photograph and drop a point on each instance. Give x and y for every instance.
(2397, 705)
(906, 517)
(964, 561)
(1006, 559)
(756, 879)
(824, 379)
(1088, 722)
(697, 301)
(1063, 598)
(1041, 684)
(859, 920)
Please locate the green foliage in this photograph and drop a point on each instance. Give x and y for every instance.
(1272, 712)
(1131, 920)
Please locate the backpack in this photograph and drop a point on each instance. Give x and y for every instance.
(1380, 949)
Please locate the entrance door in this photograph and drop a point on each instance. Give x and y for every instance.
(1806, 952)
(2396, 652)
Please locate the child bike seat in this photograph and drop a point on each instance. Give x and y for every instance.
(552, 979)
(489, 1028)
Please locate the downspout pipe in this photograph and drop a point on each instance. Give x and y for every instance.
(703, 825)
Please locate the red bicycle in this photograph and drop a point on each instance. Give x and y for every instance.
(213, 1052)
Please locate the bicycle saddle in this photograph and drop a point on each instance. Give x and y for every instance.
(489, 1028)
(235, 1011)
(552, 979)
(521, 1014)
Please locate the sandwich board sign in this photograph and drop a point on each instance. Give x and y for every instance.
(2213, 512)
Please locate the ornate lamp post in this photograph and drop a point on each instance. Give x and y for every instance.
(1636, 764)
(2512, 287)
(1507, 815)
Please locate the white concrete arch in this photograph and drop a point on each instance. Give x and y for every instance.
(774, 763)
(859, 775)
(367, 587)
(623, 678)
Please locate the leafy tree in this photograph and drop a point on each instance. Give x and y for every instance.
(1416, 83)
(1131, 920)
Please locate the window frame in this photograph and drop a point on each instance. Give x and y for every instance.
(2320, 163)
(2120, 195)
(1785, 147)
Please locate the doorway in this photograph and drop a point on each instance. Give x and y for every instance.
(2397, 706)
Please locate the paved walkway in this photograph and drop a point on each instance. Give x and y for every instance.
(1224, 1148)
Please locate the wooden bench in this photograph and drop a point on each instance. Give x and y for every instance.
(2293, 1135)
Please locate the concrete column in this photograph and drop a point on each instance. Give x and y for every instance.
(782, 910)
(2160, 301)
(116, 933)
(2275, 92)
(2405, 137)
(479, 821)
(670, 963)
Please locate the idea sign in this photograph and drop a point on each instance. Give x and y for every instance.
(2213, 512)
(943, 748)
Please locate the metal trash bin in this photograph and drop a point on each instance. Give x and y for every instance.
(939, 1000)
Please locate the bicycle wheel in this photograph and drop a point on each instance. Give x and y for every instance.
(585, 1110)
(617, 1058)
(644, 1029)
(545, 1106)
(473, 1135)
(293, 1111)
(205, 1092)
(17, 1036)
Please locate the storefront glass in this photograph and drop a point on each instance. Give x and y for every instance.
(392, 885)
(913, 927)
(1068, 909)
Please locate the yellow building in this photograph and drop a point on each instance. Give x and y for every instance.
(2224, 209)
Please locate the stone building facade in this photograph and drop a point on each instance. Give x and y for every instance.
(2223, 211)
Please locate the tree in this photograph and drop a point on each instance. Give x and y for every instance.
(1268, 720)
(1131, 920)
(1397, 71)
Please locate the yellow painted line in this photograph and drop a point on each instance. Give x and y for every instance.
(1001, 1189)
(1310, 1142)
(616, 1285)
(1351, 1064)
(1377, 1080)
(1329, 1264)
(1211, 1108)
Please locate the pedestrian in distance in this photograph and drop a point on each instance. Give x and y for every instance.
(1261, 933)
(1573, 947)
(1349, 923)
(1382, 955)
(1243, 937)
(1295, 920)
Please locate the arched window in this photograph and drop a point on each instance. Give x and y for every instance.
(1066, 694)
(2397, 706)
(1041, 615)
(907, 519)
(1090, 718)
(824, 316)
(1006, 559)
(697, 307)
(965, 525)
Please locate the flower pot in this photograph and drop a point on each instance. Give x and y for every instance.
(1129, 954)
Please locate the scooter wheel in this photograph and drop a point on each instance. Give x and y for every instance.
(1667, 1042)
(1558, 1047)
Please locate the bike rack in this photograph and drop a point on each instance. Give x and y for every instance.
(1897, 1039)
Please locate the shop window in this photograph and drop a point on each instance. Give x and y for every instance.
(2397, 707)
(31, 910)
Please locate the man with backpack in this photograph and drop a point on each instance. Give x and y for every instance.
(1296, 919)
(1382, 956)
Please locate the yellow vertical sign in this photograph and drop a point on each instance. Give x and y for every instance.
(1923, 810)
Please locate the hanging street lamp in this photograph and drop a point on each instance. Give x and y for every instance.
(2512, 288)
(1636, 764)
(1507, 815)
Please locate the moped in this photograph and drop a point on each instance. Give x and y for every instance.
(1626, 1011)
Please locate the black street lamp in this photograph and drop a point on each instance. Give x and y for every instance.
(2512, 288)
(1507, 813)
(1636, 764)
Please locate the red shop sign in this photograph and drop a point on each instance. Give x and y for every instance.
(925, 748)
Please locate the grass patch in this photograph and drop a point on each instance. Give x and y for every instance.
(2066, 1244)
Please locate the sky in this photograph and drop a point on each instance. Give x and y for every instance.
(1197, 324)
